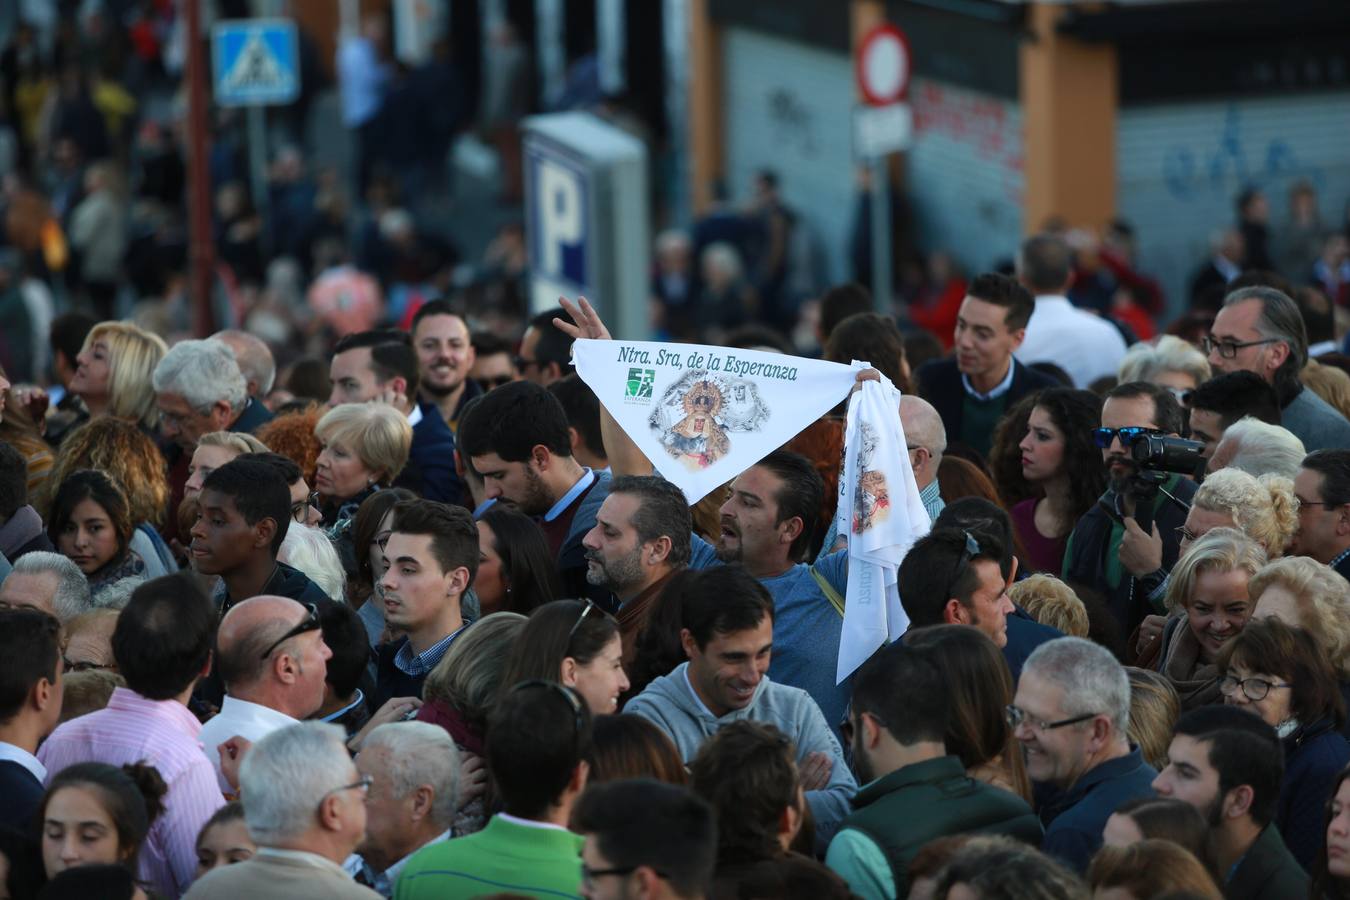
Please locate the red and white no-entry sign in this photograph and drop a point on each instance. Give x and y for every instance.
(883, 65)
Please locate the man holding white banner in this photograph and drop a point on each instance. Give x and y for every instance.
(707, 413)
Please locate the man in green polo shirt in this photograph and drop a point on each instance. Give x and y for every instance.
(541, 735)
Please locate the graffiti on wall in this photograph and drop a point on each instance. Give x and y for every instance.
(979, 122)
(793, 122)
(1232, 162)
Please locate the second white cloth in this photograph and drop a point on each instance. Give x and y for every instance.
(882, 516)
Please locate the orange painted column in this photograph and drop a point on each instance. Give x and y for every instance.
(705, 104)
(1069, 106)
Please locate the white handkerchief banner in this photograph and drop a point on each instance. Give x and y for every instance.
(882, 515)
(703, 414)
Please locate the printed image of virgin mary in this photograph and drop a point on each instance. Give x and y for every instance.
(698, 440)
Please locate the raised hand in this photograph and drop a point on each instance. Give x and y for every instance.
(586, 322)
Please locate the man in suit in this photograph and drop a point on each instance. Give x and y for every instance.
(381, 365)
(974, 388)
(304, 804)
(30, 707)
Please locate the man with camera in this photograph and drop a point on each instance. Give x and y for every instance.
(1126, 544)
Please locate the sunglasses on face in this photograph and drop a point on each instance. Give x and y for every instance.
(494, 381)
(1103, 437)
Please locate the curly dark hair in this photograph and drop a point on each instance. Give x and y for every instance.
(1076, 413)
(1005, 457)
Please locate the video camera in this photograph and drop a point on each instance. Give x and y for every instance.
(1156, 455)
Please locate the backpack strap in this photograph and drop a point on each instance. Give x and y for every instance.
(828, 590)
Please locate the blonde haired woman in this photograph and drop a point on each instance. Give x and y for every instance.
(214, 450)
(1303, 593)
(1265, 509)
(364, 447)
(1210, 605)
(113, 373)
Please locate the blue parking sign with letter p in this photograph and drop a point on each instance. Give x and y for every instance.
(559, 219)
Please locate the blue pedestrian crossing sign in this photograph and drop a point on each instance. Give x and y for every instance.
(256, 62)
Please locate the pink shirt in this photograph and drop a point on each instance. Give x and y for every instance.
(162, 733)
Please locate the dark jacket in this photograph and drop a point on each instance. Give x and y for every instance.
(1313, 755)
(1268, 871)
(430, 471)
(940, 384)
(1074, 820)
(254, 416)
(1025, 634)
(572, 564)
(911, 806)
(390, 680)
(1342, 568)
(286, 581)
(23, 796)
(1095, 542)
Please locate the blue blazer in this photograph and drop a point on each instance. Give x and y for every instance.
(431, 460)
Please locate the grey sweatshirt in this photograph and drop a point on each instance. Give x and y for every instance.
(670, 702)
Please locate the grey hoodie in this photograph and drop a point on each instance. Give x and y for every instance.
(669, 701)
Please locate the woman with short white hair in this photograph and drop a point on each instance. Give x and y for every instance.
(1171, 363)
(1306, 594)
(308, 549)
(364, 447)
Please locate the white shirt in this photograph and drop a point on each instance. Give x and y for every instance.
(239, 717)
(998, 390)
(16, 754)
(415, 416)
(1085, 346)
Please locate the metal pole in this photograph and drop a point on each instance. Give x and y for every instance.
(257, 159)
(202, 262)
(881, 237)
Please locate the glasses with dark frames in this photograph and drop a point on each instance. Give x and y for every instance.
(1016, 717)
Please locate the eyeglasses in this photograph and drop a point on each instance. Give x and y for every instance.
(362, 784)
(300, 508)
(1016, 717)
(588, 875)
(1103, 437)
(1229, 349)
(846, 730)
(1184, 534)
(308, 623)
(83, 665)
(1253, 688)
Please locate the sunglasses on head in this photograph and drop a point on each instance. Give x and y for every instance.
(309, 623)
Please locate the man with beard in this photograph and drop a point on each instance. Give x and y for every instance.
(1227, 763)
(445, 356)
(1070, 715)
(640, 538)
(913, 791)
(1126, 544)
(767, 526)
(516, 438)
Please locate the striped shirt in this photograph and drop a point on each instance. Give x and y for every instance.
(164, 734)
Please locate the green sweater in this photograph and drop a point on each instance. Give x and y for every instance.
(505, 857)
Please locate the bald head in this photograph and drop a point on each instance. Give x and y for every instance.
(246, 632)
(254, 358)
(925, 435)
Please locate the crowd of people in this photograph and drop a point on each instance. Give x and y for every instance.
(440, 629)
(367, 594)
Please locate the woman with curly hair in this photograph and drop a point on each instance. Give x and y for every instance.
(1061, 461)
(1265, 509)
(292, 435)
(1005, 457)
(127, 455)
